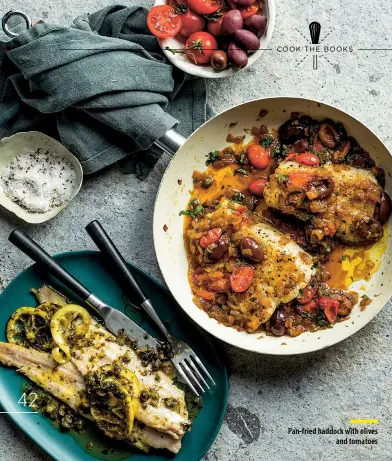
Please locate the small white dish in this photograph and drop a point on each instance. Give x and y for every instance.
(182, 62)
(25, 142)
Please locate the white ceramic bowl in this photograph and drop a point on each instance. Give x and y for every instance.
(22, 143)
(182, 62)
(173, 196)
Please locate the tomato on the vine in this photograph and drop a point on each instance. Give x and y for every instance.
(215, 27)
(248, 11)
(200, 47)
(191, 23)
(163, 21)
(205, 6)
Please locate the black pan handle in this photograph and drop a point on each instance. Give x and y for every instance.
(41, 257)
(109, 250)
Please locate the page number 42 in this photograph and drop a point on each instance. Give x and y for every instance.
(30, 402)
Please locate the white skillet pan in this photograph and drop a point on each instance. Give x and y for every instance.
(173, 197)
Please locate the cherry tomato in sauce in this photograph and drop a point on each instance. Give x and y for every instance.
(219, 285)
(163, 21)
(309, 292)
(258, 156)
(240, 210)
(241, 279)
(256, 187)
(191, 23)
(200, 47)
(299, 179)
(309, 307)
(330, 307)
(308, 159)
(248, 11)
(204, 6)
(207, 295)
(212, 236)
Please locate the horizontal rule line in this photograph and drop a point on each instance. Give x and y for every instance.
(164, 49)
(374, 49)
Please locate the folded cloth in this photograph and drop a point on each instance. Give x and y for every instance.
(101, 86)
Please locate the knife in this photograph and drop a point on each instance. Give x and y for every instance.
(114, 320)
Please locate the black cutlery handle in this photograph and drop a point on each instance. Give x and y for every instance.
(41, 257)
(109, 250)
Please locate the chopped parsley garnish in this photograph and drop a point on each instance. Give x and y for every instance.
(194, 209)
(320, 318)
(212, 157)
(277, 152)
(308, 218)
(241, 171)
(266, 142)
(281, 178)
(299, 294)
(280, 151)
(238, 197)
(323, 156)
(243, 158)
(306, 315)
(285, 150)
(344, 257)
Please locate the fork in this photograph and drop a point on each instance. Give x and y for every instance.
(187, 363)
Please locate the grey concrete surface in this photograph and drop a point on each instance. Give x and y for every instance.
(267, 395)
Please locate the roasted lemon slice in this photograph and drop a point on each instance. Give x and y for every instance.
(113, 393)
(30, 327)
(49, 308)
(116, 421)
(131, 384)
(69, 324)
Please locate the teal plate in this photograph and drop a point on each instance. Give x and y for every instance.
(88, 267)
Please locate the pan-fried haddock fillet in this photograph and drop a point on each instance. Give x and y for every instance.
(67, 384)
(163, 404)
(335, 200)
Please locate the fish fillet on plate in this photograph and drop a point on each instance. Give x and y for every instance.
(128, 393)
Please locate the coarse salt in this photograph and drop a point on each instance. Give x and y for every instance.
(38, 181)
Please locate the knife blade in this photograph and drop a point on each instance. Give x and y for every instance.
(115, 321)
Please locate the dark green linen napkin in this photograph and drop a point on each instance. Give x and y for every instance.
(101, 86)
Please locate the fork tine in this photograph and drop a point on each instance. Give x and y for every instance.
(198, 361)
(192, 376)
(197, 372)
(185, 378)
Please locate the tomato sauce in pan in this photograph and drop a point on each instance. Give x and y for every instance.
(230, 174)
